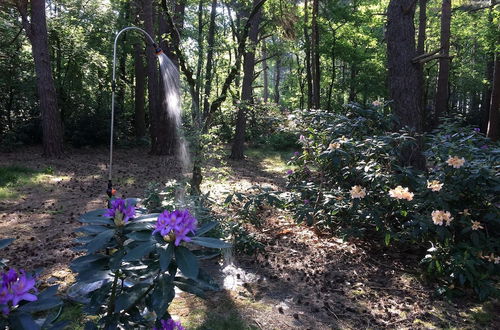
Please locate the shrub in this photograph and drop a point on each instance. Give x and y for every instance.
(349, 179)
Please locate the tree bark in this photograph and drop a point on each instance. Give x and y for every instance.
(265, 72)
(404, 83)
(36, 30)
(152, 72)
(494, 118)
(485, 106)
(308, 56)
(238, 147)
(277, 80)
(316, 73)
(442, 92)
(210, 56)
(422, 27)
(140, 79)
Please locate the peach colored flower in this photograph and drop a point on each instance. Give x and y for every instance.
(434, 185)
(401, 193)
(476, 225)
(492, 258)
(377, 103)
(440, 217)
(333, 146)
(465, 212)
(358, 192)
(455, 161)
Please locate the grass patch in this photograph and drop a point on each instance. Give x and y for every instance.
(73, 313)
(270, 160)
(14, 177)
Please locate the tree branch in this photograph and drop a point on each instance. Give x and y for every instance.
(419, 58)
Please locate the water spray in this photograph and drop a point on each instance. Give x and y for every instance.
(157, 51)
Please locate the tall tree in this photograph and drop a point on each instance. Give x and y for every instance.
(307, 46)
(442, 92)
(36, 30)
(316, 73)
(210, 59)
(246, 87)
(277, 79)
(494, 118)
(140, 80)
(404, 84)
(265, 72)
(422, 27)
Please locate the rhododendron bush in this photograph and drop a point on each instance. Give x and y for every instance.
(135, 260)
(352, 173)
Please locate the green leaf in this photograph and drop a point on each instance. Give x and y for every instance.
(387, 239)
(162, 295)
(139, 251)
(100, 241)
(140, 236)
(187, 262)
(116, 259)
(166, 254)
(210, 242)
(21, 321)
(128, 298)
(40, 305)
(186, 287)
(96, 217)
(92, 229)
(206, 228)
(5, 242)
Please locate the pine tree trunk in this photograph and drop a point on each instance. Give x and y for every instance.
(210, 56)
(442, 92)
(50, 115)
(316, 73)
(494, 121)
(265, 73)
(277, 80)
(422, 27)
(308, 56)
(404, 82)
(246, 88)
(140, 79)
(152, 72)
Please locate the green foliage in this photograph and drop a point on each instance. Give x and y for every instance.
(139, 270)
(332, 164)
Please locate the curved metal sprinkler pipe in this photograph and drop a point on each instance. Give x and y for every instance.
(157, 51)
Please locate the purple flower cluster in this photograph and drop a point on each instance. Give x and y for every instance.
(15, 286)
(169, 325)
(178, 223)
(120, 212)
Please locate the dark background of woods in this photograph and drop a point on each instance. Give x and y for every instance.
(240, 59)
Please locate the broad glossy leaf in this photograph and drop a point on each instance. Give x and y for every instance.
(41, 305)
(100, 241)
(205, 228)
(96, 217)
(139, 251)
(140, 236)
(189, 288)
(128, 298)
(92, 229)
(166, 254)
(210, 242)
(187, 262)
(22, 321)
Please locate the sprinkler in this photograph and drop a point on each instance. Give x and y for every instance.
(157, 51)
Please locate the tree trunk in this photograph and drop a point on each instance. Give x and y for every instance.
(316, 73)
(485, 106)
(333, 72)
(352, 83)
(422, 27)
(308, 56)
(210, 56)
(140, 79)
(36, 30)
(442, 92)
(494, 121)
(277, 80)
(265, 72)
(404, 83)
(246, 88)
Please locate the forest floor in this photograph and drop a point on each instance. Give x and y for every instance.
(297, 281)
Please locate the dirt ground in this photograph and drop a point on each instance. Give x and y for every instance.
(299, 280)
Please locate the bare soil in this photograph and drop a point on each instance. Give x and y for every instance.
(300, 280)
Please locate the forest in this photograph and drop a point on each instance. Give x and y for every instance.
(249, 164)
